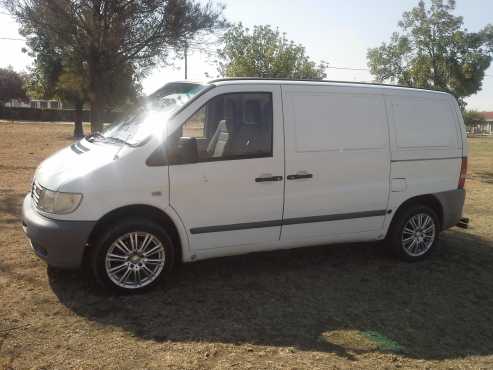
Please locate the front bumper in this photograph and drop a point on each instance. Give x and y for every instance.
(59, 243)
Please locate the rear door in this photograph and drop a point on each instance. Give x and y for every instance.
(233, 196)
(337, 163)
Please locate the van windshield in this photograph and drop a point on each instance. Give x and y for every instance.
(153, 113)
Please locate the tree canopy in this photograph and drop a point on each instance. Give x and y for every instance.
(105, 38)
(473, 117)
(265, 52)
(11, 86)
(434, 50)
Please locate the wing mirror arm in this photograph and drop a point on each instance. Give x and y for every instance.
(185, 151)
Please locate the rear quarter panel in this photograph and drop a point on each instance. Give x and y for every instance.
(426, 143)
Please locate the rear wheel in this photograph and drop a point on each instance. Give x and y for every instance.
(132, 255)
(415, 233)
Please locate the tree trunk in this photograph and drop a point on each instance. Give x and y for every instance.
(78, 128)
(96, 115)
(96, 91)
(97, 103)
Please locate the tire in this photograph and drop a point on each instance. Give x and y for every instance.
(414, 234)
(132, 256)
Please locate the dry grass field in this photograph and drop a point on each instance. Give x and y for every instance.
(324, 307)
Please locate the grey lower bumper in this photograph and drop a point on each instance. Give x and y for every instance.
(60, 243)
(452, 204)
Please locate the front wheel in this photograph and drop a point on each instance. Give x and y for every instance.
(415, 233)
(132, 255)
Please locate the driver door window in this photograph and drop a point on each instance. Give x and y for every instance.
(232, 126)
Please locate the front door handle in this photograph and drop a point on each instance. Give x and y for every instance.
(268, 178)
(300, 176)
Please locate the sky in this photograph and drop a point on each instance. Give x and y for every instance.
(337, 32)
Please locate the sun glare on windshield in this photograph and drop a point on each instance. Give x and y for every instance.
(151, 116)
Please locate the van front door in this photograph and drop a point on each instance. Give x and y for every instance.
(337, 164)
(233, 195)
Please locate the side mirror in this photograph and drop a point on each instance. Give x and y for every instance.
(181, 151)
(185, 151)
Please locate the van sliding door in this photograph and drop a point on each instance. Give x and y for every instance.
(337, 164)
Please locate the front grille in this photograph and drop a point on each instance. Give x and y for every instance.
(35, 193)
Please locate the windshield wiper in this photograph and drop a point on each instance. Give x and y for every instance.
(95, 136)
(101, 137)
(118, 140)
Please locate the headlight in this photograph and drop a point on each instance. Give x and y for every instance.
(57, 202)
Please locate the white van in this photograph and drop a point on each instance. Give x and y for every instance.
(243, 165)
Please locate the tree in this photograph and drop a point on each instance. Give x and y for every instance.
(473, 117)
(110, 36)
(265, 52)
(53, 77)
(434, 51)
(11, 86)
(71, 86)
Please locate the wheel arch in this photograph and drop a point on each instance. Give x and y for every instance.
(171, 225)
(429, 200)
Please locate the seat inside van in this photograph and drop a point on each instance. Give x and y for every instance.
(243, 125)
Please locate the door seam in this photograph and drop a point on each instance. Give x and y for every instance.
(284, 160)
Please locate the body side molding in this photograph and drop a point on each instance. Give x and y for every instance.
(288, 221)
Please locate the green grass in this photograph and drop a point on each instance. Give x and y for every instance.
(383, 343)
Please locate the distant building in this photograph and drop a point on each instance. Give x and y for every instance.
(35, 103)
(46, 104)
(14, 103)
(483, 128)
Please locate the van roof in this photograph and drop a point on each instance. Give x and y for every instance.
(256, 80)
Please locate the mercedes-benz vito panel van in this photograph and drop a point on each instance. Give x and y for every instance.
(237, 166)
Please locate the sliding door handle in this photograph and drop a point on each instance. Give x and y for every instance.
(299, 176)
(268, 178)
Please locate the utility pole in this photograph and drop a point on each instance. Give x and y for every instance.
(186, 61)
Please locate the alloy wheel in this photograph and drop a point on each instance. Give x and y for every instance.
(418, 234)
(135, 260)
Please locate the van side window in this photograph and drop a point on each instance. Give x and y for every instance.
(232, 126)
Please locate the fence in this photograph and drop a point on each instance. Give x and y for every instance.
(52, 115)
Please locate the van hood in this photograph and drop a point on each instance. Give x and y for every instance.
(74, 161)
